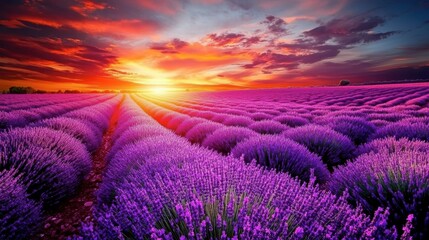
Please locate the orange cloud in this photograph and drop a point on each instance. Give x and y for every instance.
(168, 7)
(87, 6)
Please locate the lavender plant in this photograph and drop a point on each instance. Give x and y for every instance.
(395, 180)
(199, 132)
(20, 217)
(410, 130)
(334, 148)
(284, 155)
(392, 145)
(225, 139)
(356, 128)
(267, 127)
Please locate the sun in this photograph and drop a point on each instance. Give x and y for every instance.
(159, 90)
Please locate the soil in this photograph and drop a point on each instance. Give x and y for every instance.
(66, 219)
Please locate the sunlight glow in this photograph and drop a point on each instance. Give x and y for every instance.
(159, 90)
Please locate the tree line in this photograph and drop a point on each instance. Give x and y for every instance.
(30, 90)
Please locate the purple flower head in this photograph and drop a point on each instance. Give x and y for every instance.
(395, 180)
(356, 128)
(268, 127)
(412, 131)
(334, 148)
(291, 121)
(20, 217)
(392, 145)
(199, 132)
(224, 139)
(284, 155)
(238, 121)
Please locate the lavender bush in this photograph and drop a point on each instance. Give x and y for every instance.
(225, 138)
(186, 125)
(260, 116)
(292, 121)
(20, 217)
(134, 134)
(90, 138)
(356, 128)
(50, 162)
(267, 127)
(223, 198)
(282, 154)
(238, 121)
(199, 132)
(412, 131)
(334, 148)
(392, 145)
(397, 180)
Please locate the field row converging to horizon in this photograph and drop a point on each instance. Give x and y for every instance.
(303, 163)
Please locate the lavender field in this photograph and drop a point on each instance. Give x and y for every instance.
(296, 163)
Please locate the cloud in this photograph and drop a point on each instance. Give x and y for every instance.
(318, 44)
(85, 16)
(167, 7)
(300, 54)
(275, 25)
(349, 31)
(172, 46)
(86, 7)
(118, 42)
(231, 40)
(53, 59)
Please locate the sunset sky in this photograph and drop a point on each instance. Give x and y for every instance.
(210, 44)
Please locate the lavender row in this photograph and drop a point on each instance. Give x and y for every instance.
(383, 96)
(366, 118)
(355, 125)
(332, 147)
(33, 101)
(391, 174)
(20, 118)
(158, 185)
(313, 147)
(42, 165)
(335, 149)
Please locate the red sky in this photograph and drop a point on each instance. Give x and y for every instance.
(210, 44)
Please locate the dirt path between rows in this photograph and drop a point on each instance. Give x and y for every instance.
(65, 221)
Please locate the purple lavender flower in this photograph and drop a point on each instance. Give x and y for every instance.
(392, 145)
(356, 128)
(199, 132)
(20, 217)
(267, 127)
(50, 162)
(284, 155)
(412, 131)
(224, 139)
(238, 121)
(334, 148)
(292, 121)
(89, 136)
(397, 180)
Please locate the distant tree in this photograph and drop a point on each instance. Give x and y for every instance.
(59, 91)
(21, 90)
(344, 82)
(71, 91)
(40, 91)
